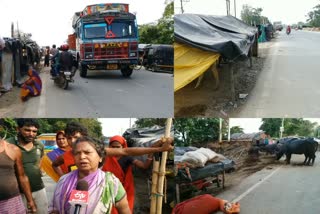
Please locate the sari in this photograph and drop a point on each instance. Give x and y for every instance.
(104, 191)
(32, 86)
(46, 162)
(126, 178)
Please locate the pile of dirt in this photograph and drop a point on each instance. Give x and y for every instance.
(208, 102)
(246, 164)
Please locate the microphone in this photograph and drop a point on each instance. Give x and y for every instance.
(79, 197)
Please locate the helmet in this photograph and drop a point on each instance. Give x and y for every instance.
(64, 47)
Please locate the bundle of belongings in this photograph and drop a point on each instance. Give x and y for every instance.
(206, 204)
(193, 163)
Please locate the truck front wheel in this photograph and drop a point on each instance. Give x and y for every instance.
(126, 71)
(83, 71)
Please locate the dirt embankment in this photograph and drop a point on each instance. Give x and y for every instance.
(246, 163)
(208, 102)
(10, 102)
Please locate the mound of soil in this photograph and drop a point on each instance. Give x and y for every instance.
(210, 102)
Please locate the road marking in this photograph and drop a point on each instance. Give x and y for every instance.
(254, 186)
(42, 102)
(135, 82)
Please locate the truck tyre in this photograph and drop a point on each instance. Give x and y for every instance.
(83, 71)
(126, 71)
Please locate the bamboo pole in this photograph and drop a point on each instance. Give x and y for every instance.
(162, 170)
(155, 170)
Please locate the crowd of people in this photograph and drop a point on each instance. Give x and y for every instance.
(106, 170)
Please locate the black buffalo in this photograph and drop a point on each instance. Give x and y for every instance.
(270, 148)
(306, 146)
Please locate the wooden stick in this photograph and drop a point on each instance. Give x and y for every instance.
(163, 170)
(155, 171)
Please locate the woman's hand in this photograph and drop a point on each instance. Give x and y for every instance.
(31, 207)
(167, 144)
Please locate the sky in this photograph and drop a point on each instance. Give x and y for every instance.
(115, 126)
(287, 11)
(251, 125)
(49, 21)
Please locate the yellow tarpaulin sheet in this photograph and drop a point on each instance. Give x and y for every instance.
(190, 63)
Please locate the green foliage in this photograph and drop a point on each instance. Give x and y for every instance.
(160, 33)
(292, 126)
(7, 128)
(252, 16)
(54, 125)
(271, 126)
(314, 16)
(195, 131)
(236, 129)
(148, 122)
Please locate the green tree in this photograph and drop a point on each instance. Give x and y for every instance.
(54, 125)
(271, 126)
(160, 32)
(148, 122)
(313, 17)
(292, 126)
(252, 16)
(195, 131)
(236, 129)
(317, 132)
(7, 128)
(306, 128)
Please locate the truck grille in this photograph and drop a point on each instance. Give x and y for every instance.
(101, 53)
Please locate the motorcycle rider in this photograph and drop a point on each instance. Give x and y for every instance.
(66, 59)
(288, 29)
(63, 60)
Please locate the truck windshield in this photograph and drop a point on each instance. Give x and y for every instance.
(118, 29)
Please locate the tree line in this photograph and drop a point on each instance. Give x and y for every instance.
(8, 126)
(198, 131)
(160, 32)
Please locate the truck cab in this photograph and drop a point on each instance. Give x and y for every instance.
(106, 38)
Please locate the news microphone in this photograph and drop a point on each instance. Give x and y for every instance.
(79, 196)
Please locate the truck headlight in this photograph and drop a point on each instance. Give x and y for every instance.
(88, 56)
(132, 54)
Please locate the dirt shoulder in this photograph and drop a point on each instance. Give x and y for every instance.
(10, 102)
(208, 102)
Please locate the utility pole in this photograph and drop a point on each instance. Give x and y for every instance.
(235, 9)
(181, 4)
(228, 7)
(220, 130)
(282, 128)
(229, 131)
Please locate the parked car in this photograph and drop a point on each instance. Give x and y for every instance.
(158, 58)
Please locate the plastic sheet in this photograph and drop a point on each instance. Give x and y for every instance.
(6, 71)
(209, 170)
(190, 63)
(226, 35)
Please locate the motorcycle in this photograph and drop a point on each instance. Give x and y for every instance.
(288, 31)
(64, 77)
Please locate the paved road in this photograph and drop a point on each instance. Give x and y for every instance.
(288, 85)
(144, 94)
(285, 189)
